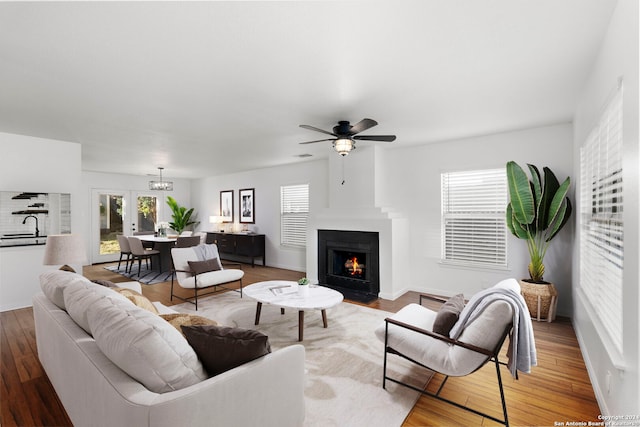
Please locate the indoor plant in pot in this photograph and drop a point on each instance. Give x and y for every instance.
(538, 209)
(303, 287)
(181, 216)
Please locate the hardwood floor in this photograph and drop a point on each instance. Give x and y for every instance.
(558, 389)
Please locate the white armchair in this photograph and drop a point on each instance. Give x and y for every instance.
(475, 339)
(199, 267)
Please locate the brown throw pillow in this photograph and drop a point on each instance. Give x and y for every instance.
(222, 348)
(199, 267)
(138, 299)
(179, 319)
(448, 315)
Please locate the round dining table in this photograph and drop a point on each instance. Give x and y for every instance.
(162, 244)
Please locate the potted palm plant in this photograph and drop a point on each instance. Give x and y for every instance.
(538, 209)
(181, 216)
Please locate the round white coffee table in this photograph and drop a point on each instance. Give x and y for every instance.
(286, 294)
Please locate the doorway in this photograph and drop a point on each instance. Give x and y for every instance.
(119, 212)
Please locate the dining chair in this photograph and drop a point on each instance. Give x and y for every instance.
(125, 250)
(187, 241)
(139, 252)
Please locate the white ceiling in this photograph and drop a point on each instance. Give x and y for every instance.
(206, 88)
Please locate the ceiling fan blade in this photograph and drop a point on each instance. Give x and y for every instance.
(384, 138)
(317, 129)
(362, 125)
(319, 140)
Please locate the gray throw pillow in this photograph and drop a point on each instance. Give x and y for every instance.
(221, 348)
(199, 267)
(448, 315)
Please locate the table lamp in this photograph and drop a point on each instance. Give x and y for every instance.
(216, 220)
(64, 249)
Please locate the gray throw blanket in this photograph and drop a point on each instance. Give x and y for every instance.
(522, 347)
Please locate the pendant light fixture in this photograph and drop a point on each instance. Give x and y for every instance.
(161, 185)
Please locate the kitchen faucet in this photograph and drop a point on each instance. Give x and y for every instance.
(34, 217)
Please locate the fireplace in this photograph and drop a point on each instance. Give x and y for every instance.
(348, 261)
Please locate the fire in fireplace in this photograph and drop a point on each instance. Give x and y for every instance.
(348, 262)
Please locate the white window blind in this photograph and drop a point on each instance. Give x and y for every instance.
(474, 232)
(601, 229)
(294, 202)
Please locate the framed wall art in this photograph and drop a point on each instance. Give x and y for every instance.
(226, 205)
(247, 206)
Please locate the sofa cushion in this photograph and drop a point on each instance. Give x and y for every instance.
(179, 319)
(137, 299)
(79, 295)
(53, 283)
(144, 346)
(222, 348)
(199, 267)
(105, 283)
(448, 315)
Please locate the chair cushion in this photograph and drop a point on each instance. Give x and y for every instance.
(448, 315)
(222, 348)
(485, 331)
(199, 267)
(144, 346)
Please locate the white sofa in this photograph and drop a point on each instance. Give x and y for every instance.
(96, 392)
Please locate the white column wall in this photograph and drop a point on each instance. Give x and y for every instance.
(35, 165)
(617, 390)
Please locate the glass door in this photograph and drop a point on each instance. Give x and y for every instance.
(119, 212)
(146, 213)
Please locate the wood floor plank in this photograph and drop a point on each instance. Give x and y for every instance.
(557, 389)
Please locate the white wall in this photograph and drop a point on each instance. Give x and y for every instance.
(413, 188)
(267, 182)
(618, 56)
(36, 165)
(408, 184)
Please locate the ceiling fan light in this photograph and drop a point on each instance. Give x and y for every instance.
(343, 146)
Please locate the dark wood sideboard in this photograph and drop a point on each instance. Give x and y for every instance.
(238, 245)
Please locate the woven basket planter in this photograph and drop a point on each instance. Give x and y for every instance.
(541, 299)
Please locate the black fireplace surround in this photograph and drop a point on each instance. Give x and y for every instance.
(348, 261)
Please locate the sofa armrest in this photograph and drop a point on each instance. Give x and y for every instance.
(241, 396)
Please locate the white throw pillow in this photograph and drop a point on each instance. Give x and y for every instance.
(145, 346)
(82, 294)
(53, 283)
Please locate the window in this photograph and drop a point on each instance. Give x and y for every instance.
(294, 210)
(601, 226)
(474, 232)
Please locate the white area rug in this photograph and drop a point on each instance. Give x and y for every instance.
(343, 362)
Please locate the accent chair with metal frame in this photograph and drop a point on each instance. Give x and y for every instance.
(188, 278)
(409, 334)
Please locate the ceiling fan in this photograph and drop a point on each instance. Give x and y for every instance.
(346, 135)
